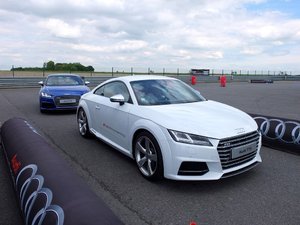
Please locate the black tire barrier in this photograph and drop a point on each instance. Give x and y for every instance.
(48, 191)
(279, 133)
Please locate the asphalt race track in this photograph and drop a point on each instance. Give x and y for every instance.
(268, 194)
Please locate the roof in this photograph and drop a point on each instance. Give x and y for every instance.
(64, 74)
(143, 77)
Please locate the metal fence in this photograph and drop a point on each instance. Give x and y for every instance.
(123, 71)
(22, 82)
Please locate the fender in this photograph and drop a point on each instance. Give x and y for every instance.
(82, 104)
(159, 134)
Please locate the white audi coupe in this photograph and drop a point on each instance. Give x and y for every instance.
(169, 129)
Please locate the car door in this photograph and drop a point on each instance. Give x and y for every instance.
(112, 117)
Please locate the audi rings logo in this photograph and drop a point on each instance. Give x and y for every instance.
(35, 200)
(277, 129)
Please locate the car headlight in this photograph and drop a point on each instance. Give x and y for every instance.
(45, 95)
(189, 138)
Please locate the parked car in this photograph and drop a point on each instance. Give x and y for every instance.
(170, 129)
(61, 92)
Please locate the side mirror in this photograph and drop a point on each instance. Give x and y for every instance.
(41, 83)
(118, 98)
(86, 82)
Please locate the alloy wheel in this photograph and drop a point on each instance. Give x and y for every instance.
(82, 123)
(146, 156)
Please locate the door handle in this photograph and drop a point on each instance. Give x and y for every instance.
(97, 107)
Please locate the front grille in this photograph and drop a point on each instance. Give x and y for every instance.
(67, 100)
(226, 145)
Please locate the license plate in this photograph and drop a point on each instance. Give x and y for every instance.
(243, 150)
(64, 101)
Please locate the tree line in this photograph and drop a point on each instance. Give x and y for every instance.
(52, 66)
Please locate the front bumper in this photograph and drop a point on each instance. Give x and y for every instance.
(194, 162)
(66, 102)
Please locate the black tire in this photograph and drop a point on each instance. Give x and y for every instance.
(148, 156)
(83, 125)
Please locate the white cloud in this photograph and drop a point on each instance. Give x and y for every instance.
(214, 55)
(127, 45)
(60, 28)
(88, 48)
(251, 50)
(138, 32)
(278, 43)
(130, 45)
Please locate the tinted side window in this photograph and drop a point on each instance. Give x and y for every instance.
(114, 88)
(100, 91)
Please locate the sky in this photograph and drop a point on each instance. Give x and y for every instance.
(214, 34)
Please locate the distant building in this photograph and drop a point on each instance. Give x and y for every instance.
(201, 72)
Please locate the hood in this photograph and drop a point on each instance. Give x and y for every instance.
(207, 118)
(66, 90)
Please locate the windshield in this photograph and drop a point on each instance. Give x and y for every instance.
(64, 80)
(162, 92)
